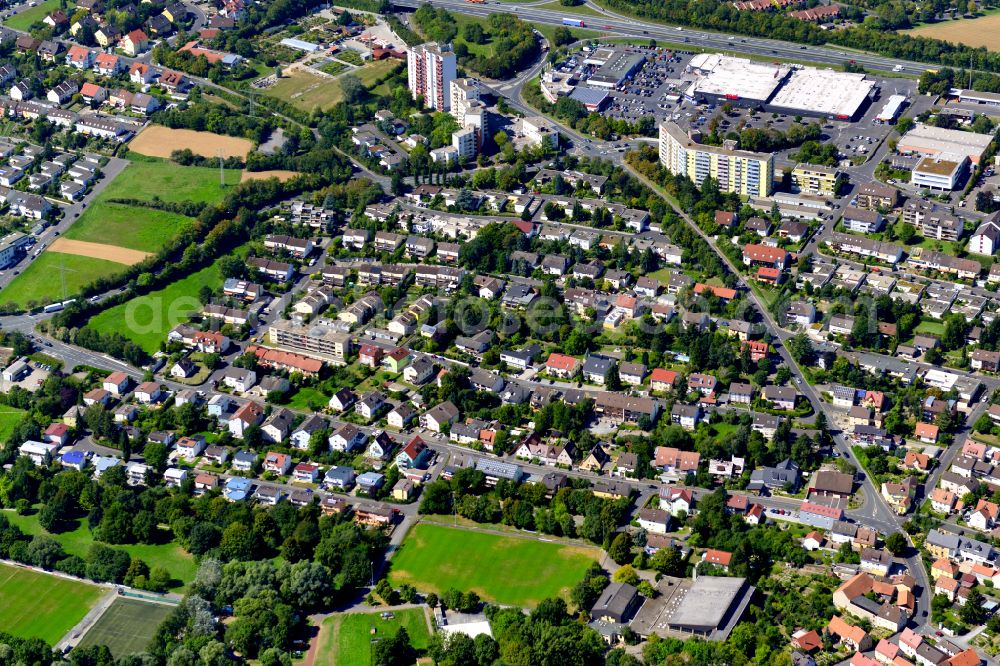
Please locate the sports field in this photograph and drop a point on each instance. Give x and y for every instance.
(38, 605)
(982, 31)
(147, 320)
(42, 280)
(347, 639)
(504, 569)
(127, 626)
(144, 229)
(160, 141)
(77, 541)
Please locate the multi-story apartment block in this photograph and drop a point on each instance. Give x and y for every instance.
(813, 179)
(431, 69)
(744, 172)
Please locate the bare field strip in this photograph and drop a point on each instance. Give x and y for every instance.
(120, 255)
(160, 141)
(280, 174)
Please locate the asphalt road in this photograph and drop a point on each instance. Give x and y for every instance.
(627, 27)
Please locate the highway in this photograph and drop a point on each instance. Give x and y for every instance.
(627, 27)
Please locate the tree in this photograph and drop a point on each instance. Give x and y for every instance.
(354, 91)
(612, 378)
(626, 574)
(896, 543)
(621, 549)
(972, 612)
(562, 35)
(473, 32)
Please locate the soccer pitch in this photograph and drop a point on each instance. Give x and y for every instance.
(127, 626)
(39, 605)
(505, 569)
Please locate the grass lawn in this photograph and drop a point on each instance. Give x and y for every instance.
(434, 558)
(25, 18)
(347, 640)
(147, 178)
(308, 395)
(41, 280)
(306, 91)
(145, 229)
(127, 626)
(170, 556)
(9, 417)
(931, 327)
(149, 318)
(37, 605)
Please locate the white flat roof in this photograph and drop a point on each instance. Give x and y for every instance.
(739, 77)
(891, 108)
(470, 629)
(944, 143)
(824, 91)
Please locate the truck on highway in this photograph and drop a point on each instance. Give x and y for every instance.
(54, 307)
(576, 23)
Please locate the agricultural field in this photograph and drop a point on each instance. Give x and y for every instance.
(28, 16)
(152, 178)
(118, 226)
(127, 626)
(160, 141)
(38, 605)
(167, 554)
(346, 639)
(149, 318)
(280, 174)
(120, 255)
(982, 31)
(9, 418)
(41, 281)
(434, 558)
(145, 229)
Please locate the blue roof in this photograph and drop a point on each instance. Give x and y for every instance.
(74, 457)
(235, 495)
(369, 478)
(102, 463)
(238, 483)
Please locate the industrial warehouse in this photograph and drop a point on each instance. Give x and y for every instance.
(780, 88)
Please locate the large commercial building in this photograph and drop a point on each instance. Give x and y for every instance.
(823, 92)
(740, 171)
(432, 68)
(617, 70)
(708, 607)
(737, 80)
(944, 144)
(778, 87)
